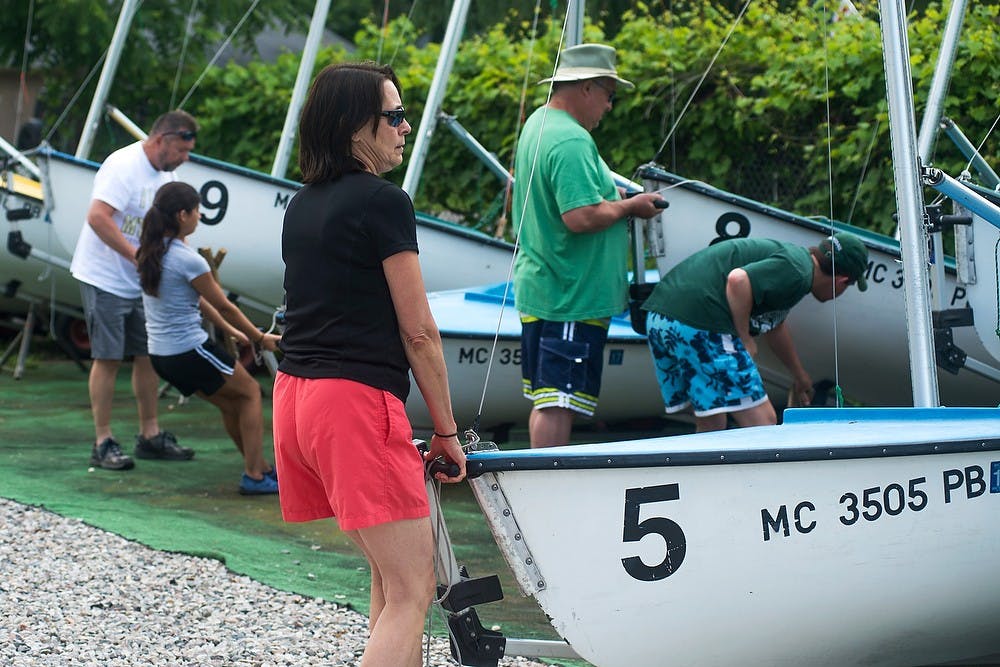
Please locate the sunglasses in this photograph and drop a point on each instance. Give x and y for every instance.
(186, 135)
(395, 116)
(611, 93)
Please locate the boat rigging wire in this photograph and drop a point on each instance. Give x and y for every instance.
(22, 89)
(218, 52)
(522, 105)
(76, 95)
(399, 41)
(864, 171)
(979, 148)
(188, 30)
(829, 182)
(704, 75)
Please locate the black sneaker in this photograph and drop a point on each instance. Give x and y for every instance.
(108, 455)
(164, 446)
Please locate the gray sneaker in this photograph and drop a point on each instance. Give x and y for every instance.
(163, 446)
(108, 455)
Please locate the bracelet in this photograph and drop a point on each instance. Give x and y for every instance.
(261, 339)
(443, 435)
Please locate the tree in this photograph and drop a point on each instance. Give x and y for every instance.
(68, 39)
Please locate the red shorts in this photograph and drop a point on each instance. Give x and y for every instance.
(345, 449)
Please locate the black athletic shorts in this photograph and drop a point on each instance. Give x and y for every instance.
(202, 369)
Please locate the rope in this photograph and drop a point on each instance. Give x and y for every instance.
(188, 30)
(218, 53)
(438, 529)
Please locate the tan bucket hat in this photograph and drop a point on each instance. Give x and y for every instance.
(587, 61)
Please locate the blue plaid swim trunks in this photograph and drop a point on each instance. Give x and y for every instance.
(712, 372)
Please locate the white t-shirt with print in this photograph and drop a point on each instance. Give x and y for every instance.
(127, 182)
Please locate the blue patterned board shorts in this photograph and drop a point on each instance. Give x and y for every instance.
(561, 363)
(712, 372)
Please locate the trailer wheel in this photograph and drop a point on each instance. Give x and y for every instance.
(72, 333)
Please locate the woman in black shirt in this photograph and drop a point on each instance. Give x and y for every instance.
(358, 322)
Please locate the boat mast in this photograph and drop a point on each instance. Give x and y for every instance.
(125, 17)
(428, 121)
(574, 23)
(909, 202)
(931, 120)
(302, 79)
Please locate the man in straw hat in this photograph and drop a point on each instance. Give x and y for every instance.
(704, 314)
(570, 274)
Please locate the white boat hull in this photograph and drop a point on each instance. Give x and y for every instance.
(470, 319)
(984, 298)
(860, 337)
(43, 275)
(242, 213)
(860, 550)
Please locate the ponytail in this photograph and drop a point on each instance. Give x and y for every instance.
(158, 228)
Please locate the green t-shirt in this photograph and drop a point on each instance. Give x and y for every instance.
(694, 291)
(560, 275)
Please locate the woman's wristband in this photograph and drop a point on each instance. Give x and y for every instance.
(443, 435)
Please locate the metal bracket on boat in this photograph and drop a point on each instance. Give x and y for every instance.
(468, 592)
(949, 356)
(16, 244)
(652, 228)
(506, 532)
(938, 221)
(471, 643)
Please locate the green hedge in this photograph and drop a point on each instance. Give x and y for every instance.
(757, 125)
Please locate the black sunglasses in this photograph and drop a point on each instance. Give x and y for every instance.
(186, 135)
(395, 116)
(611, 93)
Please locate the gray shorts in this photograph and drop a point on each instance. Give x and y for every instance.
(116, 326)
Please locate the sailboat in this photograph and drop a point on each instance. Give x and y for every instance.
(468, 318)
(242, 212)
(871, 368)
(867, 327)
(841, 537)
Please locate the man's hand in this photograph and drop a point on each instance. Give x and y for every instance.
(645, 204)
(802, 390)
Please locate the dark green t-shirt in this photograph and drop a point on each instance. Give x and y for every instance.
(694, 291)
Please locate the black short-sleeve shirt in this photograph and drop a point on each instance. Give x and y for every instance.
(340, 320)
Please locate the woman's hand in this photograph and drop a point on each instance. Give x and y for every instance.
(269, 342)
(238, 336)
(451, 450)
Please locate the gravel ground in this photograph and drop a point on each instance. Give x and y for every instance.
(72, 594)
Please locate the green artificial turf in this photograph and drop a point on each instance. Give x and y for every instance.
(193, 507)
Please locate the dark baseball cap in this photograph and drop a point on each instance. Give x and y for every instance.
(848, 255)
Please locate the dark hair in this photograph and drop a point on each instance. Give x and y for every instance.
(826, 264)
(159, 226)
(174, 121)
(342, 99)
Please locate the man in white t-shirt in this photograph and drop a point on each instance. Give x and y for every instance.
(104, 263)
